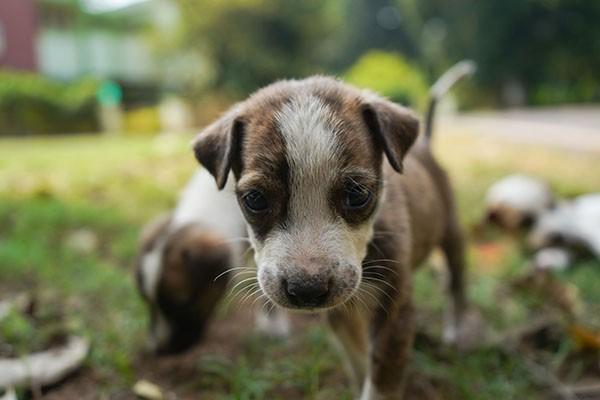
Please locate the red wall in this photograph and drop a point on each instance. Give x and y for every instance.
(18, 24)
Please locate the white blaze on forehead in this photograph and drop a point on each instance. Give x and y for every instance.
(312, 231)
(312, 148)
(310, 133)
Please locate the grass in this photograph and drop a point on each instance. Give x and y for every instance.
(286, 368)
(52, 189)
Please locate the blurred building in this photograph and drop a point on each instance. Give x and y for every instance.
(67, 39)
(18, 27)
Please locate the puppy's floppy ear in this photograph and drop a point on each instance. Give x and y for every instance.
(393, 127)
(218, 146)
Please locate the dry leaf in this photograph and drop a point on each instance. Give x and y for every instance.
(584, 337)
(147, 390)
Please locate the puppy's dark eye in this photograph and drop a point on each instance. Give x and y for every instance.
(356, 196)
(255, 201)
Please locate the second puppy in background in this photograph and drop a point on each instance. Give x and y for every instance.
(558, 231)
(180, 257)
(516, 202)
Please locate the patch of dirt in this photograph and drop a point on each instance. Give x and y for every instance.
(174, 374)
(82, 385)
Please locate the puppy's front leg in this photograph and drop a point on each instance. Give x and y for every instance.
(386, 286)
(391, 344)
(351, 331)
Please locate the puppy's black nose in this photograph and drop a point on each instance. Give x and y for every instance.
(306, 293)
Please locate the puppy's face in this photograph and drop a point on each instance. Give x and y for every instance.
(307, 156)
(509, 218)
(183, 293)
(309, 196)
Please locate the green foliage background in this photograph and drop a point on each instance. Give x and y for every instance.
(548, 49)
(389, 74)
(30, 103)
(529, 52)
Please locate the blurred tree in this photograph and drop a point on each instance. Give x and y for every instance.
(373, 24)
(246, 44)
(528, 51)
(534, 51)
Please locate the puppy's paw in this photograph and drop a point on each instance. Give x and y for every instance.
(371, 392)
(465, 332)
(275, 324)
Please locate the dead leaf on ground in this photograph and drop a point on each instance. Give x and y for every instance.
(147, 390)
(490, 256)
(585, 338)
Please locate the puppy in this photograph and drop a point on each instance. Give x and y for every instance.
(556, 231)
(180, 258)
(572, 227)
(516, 202)
(342, 202)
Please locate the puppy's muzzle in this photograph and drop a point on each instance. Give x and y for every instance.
(307, 292)
(308, 285)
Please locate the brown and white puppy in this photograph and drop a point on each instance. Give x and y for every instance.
(333, 226)
(566, 232)
(516, 202)
(180, 257)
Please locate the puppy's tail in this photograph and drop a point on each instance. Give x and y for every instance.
(442, 86)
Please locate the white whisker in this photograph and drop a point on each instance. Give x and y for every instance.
(262, 296)
(369, 273)
(367, 278)
(242, 282)
(228, 270)
(381, 267)
(249, 295)
(370, 285)
(243, 291)
(363, 290)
